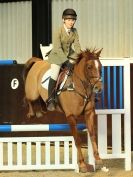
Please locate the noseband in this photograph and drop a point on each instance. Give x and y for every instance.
(98, 79)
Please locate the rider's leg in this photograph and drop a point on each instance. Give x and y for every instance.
(52, 83)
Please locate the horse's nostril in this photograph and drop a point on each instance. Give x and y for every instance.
(97, 89)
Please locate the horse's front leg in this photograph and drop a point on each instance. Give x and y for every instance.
(89, 117)
(83, 167)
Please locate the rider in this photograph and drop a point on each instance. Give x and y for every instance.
(66, 46)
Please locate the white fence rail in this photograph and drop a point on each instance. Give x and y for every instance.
(38, 153)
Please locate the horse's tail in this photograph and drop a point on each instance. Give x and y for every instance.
(28, 66)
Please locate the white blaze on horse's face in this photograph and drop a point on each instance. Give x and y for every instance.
(98, 81)
(97, 65)
(94, 75)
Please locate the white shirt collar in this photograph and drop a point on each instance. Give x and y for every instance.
(67, 30)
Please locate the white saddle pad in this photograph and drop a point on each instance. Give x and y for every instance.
(45, 79)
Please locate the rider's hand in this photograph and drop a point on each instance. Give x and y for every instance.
(69, 65)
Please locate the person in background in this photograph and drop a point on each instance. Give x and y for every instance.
(66, 48)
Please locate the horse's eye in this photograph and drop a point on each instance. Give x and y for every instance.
(89, 66)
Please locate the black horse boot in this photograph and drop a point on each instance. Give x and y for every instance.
(51, 95)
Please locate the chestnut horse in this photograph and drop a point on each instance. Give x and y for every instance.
(86, 78)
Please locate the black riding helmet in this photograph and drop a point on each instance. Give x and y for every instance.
(69, 13)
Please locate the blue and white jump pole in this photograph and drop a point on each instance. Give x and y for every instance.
(7, 62)
(39, 127)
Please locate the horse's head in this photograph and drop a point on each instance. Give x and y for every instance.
(92, 69)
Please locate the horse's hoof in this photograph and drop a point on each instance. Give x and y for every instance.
(39, 114)
(99, 164)
(29, 115)
(87, 168)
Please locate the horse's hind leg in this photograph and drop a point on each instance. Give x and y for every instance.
(31, 112)
(89, 117)
(83, 167)
(41, 108)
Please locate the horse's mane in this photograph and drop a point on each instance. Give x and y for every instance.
(88, 54)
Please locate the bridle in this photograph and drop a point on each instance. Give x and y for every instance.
(86, 85)
(98, 79)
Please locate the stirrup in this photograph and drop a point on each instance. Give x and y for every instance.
(70, 87)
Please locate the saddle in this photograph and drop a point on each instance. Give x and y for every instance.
(64, 75)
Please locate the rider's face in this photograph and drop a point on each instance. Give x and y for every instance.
(69, 23)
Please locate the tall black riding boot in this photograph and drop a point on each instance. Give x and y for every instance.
(51, 95)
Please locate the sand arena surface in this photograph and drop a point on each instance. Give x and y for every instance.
(116, 169)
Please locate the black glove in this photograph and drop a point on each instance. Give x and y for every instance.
(69, 65)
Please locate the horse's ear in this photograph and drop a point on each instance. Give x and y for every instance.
(99, 52)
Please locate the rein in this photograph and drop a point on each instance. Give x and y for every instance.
(84, 83)
(86, 98)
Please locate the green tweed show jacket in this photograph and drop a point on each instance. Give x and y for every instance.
(65, 46)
